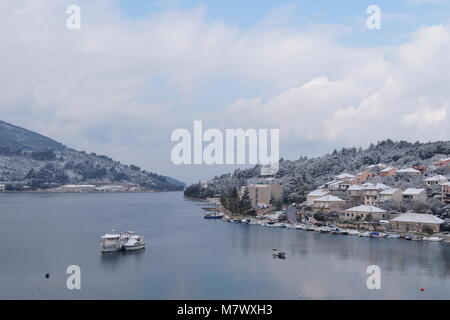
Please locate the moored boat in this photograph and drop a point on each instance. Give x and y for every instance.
(378, 235)
(135, 242)
(364, 234)
(353, 232)
(214, 215)
(111, 242)
(435, 239)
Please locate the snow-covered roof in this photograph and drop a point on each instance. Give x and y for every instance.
(318, 193)
(436, 178)
(355, 187)
(378, 186)
(418, 218)
(332, 182)
(446, 184)
(111, 236)
(413, 191)
(345, 175)
(387, 169)
(389, 191)
(328, 198)
(408, 170)
(366, 208)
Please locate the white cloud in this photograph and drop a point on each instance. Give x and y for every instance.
(406, 97)
(119, 84)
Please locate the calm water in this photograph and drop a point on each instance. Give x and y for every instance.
(192, 258)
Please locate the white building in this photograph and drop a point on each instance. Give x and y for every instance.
(391, 194)
(414, 194)
(435, 180)
(363, 212)
(313, 195)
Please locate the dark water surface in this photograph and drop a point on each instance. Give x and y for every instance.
(188, 257)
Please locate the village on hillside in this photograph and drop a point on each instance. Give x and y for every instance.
(359, 200)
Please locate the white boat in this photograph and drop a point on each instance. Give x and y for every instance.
(134, 242)
(112, 242)
(353, 232)
(393, 236)
(435, 239)
(365, 234)
(325, 229)
(378, 235)
(300, 226)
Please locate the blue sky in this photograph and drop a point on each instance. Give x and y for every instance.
(137, 70)
(399, 16)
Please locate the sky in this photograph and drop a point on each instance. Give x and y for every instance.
(137, 70)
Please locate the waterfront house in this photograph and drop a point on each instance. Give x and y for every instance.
(313, 195)
(364, 212)
(388, 171)
(446, 192)
(435, 180)
(391, 194)
(416, 222)
(77, 188)
(328, 203)
(414, 194)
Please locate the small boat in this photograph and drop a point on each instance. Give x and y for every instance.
(300, 226)
(226, 218)
(281, 255)
(245, 221)
(344, 232)
(353, 232)
(324, 230)
(214, 215)
(235, 221)
(417, 238)
(409, 237)
(378, 235)
(364, 234)
(393, 236)
(111, 242)
(310, 228)
(435, 239)
(135, 242)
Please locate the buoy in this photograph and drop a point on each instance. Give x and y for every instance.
(47, 275)
(422, 289)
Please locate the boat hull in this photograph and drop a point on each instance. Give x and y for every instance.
(134, 248)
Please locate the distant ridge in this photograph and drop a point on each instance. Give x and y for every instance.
(33, 160)
(14, 137)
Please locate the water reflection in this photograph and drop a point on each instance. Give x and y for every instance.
(112, 261)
